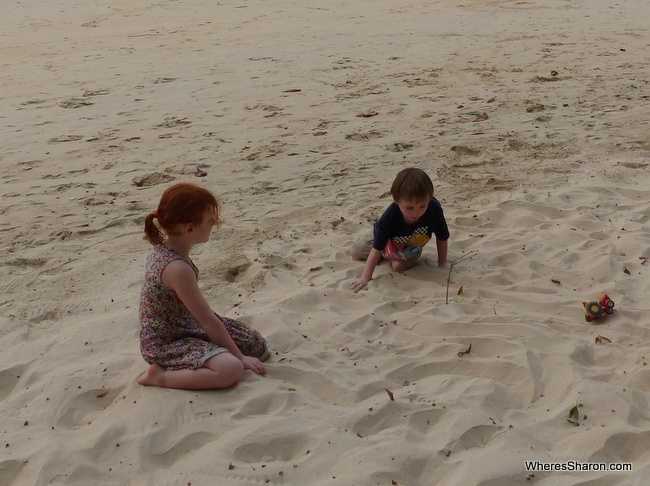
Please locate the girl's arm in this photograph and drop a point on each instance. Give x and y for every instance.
(372, 261)
(178, 275)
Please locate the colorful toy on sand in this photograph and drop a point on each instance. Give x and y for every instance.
(596, 308)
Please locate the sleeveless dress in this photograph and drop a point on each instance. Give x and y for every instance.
(170, 336)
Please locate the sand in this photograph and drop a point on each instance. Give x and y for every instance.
(532, 118)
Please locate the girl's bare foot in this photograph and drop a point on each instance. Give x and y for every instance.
(153, 376)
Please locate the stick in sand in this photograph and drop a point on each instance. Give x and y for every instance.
(451, 266)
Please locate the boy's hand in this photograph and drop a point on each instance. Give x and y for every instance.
(358, 284)
(254, 365)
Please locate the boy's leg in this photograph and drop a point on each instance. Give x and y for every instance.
(362, 246)
(248, 340)
(403, 265)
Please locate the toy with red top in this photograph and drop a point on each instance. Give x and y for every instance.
(596, 308)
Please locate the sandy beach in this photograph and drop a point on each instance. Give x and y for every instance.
(533, 120)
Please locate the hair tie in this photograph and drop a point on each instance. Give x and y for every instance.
(155, 214)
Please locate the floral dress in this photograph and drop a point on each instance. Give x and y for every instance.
(170, 336)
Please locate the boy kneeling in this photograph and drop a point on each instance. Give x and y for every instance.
(405, 227)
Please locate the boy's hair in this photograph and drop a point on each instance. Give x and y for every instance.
(180, 204)
(411, 184)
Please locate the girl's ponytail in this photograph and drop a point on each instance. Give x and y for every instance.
(151, 231)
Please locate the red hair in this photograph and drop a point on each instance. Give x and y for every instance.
(180, 204)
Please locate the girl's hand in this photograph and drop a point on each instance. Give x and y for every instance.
(254, 364)
(358, 284)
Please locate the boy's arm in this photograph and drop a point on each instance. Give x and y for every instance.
(442, 246)
(372, 261)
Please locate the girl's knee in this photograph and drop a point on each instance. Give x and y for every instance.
(228, 369)
(234, 371)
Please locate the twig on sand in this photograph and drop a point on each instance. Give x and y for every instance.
(451, 266)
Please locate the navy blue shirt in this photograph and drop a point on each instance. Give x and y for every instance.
(391, 226)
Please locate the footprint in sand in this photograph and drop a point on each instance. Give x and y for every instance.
(232, 273)
(622, 447)
(152, 179)
(364, 135)
(8, 380)
(182, 448)
(275, 441)
(9, 470)
(72, 103)
(475, 437)
(270, 405)
(400, 146)
(65, 138)
(173, 122)
(79, 409)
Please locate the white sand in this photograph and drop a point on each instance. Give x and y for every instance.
(551, 191)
